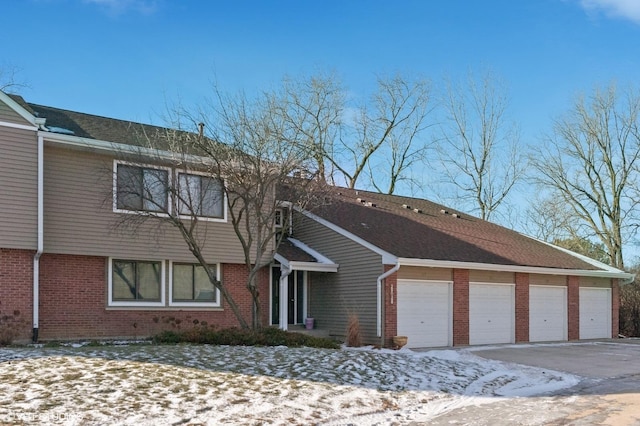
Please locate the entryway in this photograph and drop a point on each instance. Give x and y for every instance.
(297, 296)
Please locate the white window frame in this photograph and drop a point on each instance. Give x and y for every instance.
(216, 304)
(202, 218)
(144, 166)
(138, 304)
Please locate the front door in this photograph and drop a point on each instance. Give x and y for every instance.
(296, 291)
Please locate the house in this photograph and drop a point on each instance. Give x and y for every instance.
(403, 266)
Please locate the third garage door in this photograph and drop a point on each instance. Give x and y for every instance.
(424, 313)
(547, 313)
(491, 313)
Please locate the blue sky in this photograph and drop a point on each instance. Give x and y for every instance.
(124, 58)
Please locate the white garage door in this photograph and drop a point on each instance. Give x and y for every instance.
(595, 313)
(491, 313)
(547, 313)
(424, 313)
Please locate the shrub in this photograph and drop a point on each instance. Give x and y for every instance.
(354, 335)
(11, 327)
(268, 336)
(630, 310)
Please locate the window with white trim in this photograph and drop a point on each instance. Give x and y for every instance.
(190, 285)
(200, 195)
(141, 188)
(136, 282)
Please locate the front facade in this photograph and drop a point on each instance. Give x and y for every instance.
(75, 262)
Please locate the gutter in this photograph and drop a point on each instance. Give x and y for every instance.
(40, 247)
(379, 294)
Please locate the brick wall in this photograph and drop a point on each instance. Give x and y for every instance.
(522, 307)
(615, 308)
(73, 302)
(460, 307)
(16, 293)
(573, 307)
(390, 326)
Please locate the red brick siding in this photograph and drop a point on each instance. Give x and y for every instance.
(522, 307)
(460, 307)
(73, 302)
(615, 308)
(573, 307)
(390, 327)
(16, 292)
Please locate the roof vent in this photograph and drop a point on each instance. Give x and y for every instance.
(443, 211)
(361, 200)
(417, 210)
(406, 206)
(456, 215)
(370, 204)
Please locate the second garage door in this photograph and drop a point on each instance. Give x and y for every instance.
(491, 313)
(547, 313)
(424, 313)
(595, 313)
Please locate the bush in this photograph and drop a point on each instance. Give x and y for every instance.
(268, 336)
(354, 335)
(630, 310)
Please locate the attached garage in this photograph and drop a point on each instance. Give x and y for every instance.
(547, 313)
(491, 313)
(595, 313)
(425, 312)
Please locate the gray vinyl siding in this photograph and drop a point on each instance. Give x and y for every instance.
(79, 217)
(18, 188)
(9, 115)
(352, 290)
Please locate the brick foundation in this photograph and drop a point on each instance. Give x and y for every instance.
(73, 302)
(573, 307)
(390, 326)
(615, 308)
(522, 307)
(460, 307)
(16, 294)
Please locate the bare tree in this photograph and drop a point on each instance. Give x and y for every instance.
(238, 158)
(344, 140)
(479, 148)
(590, 161)
(8, 79)
(313, 110)
(395, 118)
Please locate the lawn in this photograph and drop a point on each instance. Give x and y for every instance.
(190, 384)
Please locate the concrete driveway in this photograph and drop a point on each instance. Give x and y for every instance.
(608, 393)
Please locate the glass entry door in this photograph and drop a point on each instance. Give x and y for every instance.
(296, 283)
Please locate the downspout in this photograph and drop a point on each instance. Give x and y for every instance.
(379, 282)
(40, 248)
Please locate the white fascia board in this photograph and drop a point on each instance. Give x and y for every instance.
(120, 148)
(18, 108)
(387, 258)
(313, 266)
(302, 246)
(18, 126)
(514, 268)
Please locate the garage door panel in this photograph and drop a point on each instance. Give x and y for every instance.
(547, 313)
(595, 313)
(491, 313)
(424, 313)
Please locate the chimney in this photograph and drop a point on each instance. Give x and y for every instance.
(201, 129)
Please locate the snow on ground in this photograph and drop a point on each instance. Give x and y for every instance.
(185, 384)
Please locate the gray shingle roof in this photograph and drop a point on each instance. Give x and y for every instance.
(435, 232)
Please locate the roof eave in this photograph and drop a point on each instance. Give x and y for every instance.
(608, 273)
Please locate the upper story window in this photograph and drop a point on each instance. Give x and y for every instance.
(200, 196)
(140, 188)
